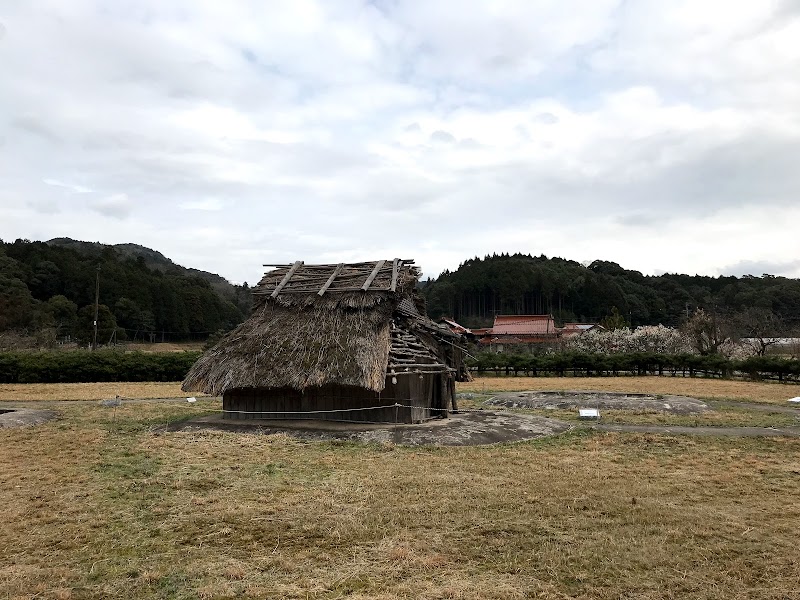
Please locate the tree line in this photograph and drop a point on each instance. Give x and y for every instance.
(49, 290)
(523, 284)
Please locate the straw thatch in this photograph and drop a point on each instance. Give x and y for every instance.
(315, 328)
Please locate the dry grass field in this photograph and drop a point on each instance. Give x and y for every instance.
(101, 504)
(90, 391)
(773, 393)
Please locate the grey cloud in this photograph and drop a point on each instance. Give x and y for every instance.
(118, 206)
(30, 124)
(444, 137)
(45, 206)
(757, 268)
(640, 220)
(641, 192)
(470, 144)
(749, 170)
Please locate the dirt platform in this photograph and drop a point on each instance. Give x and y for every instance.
(679, 405)
(21, 417)
(465, 429)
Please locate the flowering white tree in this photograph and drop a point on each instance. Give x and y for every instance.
(648, 338)
(657, 338)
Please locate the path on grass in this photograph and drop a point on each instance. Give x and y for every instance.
(773, 408)
(714, 431)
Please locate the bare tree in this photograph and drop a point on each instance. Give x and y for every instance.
(761, 328)
(707, 331)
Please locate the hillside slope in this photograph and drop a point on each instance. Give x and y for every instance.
(143, 294)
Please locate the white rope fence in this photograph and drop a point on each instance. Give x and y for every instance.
(338, 410)
(115, 402)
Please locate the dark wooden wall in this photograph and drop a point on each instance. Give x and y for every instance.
(420, 394)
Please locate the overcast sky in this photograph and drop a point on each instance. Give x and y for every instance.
(664, 136)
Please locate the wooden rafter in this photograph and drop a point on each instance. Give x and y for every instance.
(395, 270)
(330, 279)
(372, 275)
(286, 278)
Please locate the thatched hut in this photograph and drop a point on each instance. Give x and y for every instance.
(347, 342)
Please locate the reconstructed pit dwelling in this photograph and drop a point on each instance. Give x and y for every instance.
(346, 342)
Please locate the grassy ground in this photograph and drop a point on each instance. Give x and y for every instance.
(90, 391)
(100, 505)
(722, 417)
(771, 393)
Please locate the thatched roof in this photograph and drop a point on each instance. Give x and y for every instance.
(311, 325)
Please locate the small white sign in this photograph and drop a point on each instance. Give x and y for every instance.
(588, 413)
(192, 399)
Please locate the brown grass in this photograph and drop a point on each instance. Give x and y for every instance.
(771, 393)
(98, 505)
(90, 391)
(165, 346)
(725, 417)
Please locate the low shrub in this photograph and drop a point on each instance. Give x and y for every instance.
(635, 363)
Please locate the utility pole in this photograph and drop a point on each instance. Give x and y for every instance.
(96, 308)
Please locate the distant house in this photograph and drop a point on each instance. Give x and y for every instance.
(574, 329)
(520, 331)
(454, 327)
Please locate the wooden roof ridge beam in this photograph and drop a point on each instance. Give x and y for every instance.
(407, 261)
(286, 278)
(328, 283)
(320, 266)
(373, 275)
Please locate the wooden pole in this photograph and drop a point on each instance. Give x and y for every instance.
(286, 278)
(330, 279)
(395, 266)
(371, 278)
(96, 308)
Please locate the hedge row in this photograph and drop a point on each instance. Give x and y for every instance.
(108, 365)
(83, 367)
(636, 363)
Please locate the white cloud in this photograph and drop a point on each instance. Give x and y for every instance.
(210, 204)
(251, 131)
(78, 189)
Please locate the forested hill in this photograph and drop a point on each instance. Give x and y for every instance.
(152, 258)
(523, 284)
(142, 293)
